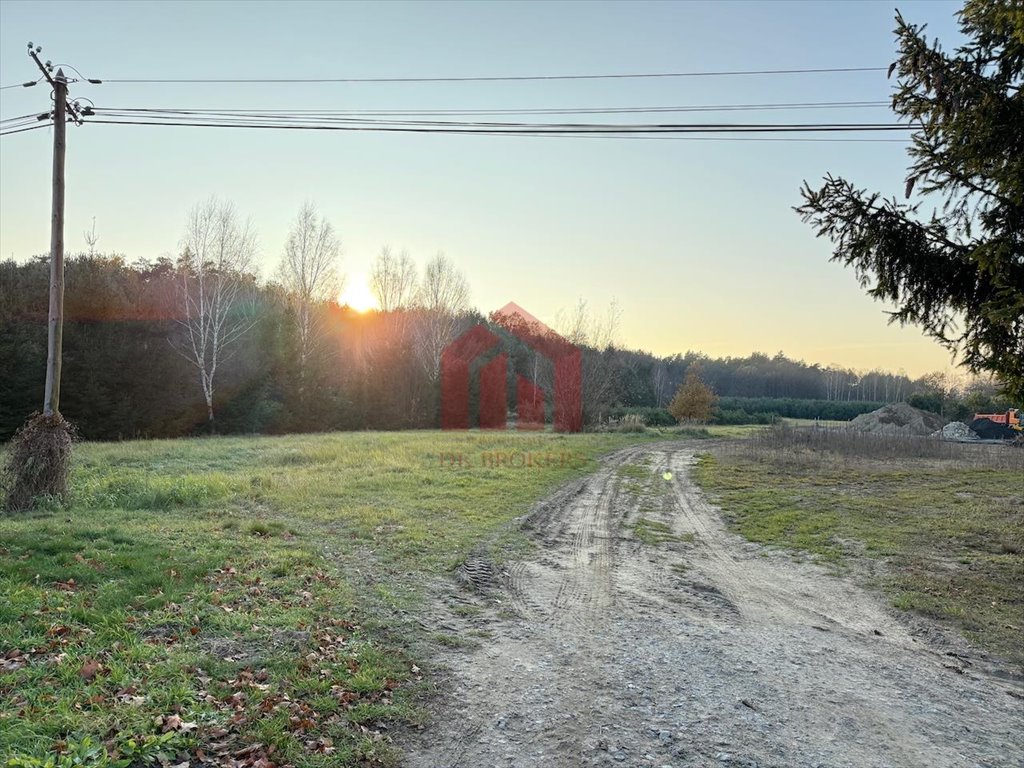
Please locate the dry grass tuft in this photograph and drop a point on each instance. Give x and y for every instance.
(39, 461)
(812, 446)
(940, 522)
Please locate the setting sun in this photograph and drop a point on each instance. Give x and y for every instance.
(358, 296)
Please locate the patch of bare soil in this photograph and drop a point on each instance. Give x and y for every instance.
(696, 648)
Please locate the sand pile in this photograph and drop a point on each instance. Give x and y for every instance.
(955, 430)
(898, 419)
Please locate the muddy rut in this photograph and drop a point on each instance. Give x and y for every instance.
(643, 633)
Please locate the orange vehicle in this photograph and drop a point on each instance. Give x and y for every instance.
(1006, 425)
(1010, 418)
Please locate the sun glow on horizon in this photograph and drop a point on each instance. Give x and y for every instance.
(358, 296)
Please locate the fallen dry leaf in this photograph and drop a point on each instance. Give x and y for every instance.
(89, 670)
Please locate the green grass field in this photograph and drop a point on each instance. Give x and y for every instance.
(253, 599)
(947, 534)
(244, 598)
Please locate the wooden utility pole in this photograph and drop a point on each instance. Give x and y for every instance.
(39, 460)
(55, 326)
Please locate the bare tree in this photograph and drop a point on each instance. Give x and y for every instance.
(91, 238)
(596, 335)
(309, 272)
(393, 280)
(443, 298)
(213, 272)
(583, 327)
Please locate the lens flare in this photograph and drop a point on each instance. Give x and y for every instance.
(358, 296)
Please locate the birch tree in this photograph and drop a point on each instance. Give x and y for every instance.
(393, 280)
(309, 273)
(596, 335)
(660, 383)
(214, 272)
(443, 299)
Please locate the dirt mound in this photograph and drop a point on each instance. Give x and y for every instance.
(955, 430)
(991, 430)
(898, 419)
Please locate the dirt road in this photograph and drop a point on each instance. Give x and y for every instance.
(645, 634)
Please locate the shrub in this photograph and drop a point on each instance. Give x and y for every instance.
(926, 401)
(739, 416)
(693, 401)
(651, 417)
(796, 408)
(631, 422)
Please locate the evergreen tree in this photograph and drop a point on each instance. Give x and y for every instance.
(958, 273)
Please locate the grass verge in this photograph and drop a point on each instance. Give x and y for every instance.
(949, 532)
(233, 601)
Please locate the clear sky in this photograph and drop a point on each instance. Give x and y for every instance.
(695, 240)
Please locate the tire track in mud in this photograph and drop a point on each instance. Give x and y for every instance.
(586, 590)
(584, 584)
(688, 653)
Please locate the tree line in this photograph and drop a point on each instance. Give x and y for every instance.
(198, 343)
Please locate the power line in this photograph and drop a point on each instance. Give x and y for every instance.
(21, 122)
(409, 120)
(536, 110)
(20, 85)
(755, 138)
(33, 116)
(7, 132)
(527, 134)
(335, 121)
(492, 79)
(347, 120)
(276, 117)
(800, 139)
(213, 121)
(30, 83)
(238, 117)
